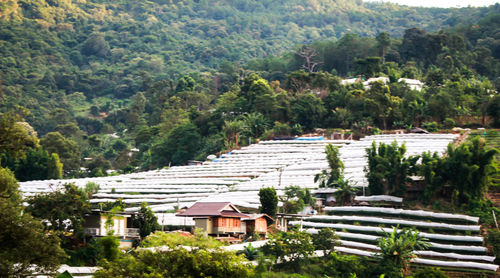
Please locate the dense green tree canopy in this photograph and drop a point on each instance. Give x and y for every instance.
(67, 150)
(24, 241)
(69, 203)
(39, 165)
(178, 146)
(268, 201)
(178, 262)
(16, 136)
(107, 77)
(292, 247)
(388, 169)
(146, 221)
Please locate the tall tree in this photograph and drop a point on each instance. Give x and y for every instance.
(388, 169)
(16, 136)
(397, 247)
(178, 146)
(380, 104)
(384, 41)
(334, 161)
(310, 57)
(146, 221)
(25, 247)
(470, 167)
(54, 142)
(293, 248)
(434, 173)
(232, 131)
(256, 96)
(368, 67)
(38, 164)
(308, 110)
(268, 201)
(68, 203)
(330, 177)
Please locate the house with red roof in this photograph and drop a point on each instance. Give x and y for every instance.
(225, 219)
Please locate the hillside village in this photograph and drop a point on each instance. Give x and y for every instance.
(220, 197)
(241, 138)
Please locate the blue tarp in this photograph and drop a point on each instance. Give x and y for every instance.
(317, 138)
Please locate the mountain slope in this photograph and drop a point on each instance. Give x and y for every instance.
(51, 49)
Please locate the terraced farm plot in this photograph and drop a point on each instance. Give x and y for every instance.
(451, 245)
(239, 175)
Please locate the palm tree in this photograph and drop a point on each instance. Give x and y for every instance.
(396, 249)
(345, 191)
(323, 178)
(255, 124)
(328, 178)
(232, 130)
(333, 158)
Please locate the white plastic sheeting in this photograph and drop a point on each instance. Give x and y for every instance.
(268, 163)
(393, 221)
(426, 253)
(491, 267)
(455, 256)
(77, 269)
(379, 198)
(464, 248)
(461, 264)
(419, 213)
(354, 251)
(443, 237)
(242, 246)
(169, 219)
(359, 245)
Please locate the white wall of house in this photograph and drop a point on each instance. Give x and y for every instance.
(119, 226)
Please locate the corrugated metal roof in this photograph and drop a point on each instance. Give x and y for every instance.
(257, 216)
(209, 209)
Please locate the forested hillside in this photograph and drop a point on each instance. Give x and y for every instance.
(55, 48)
(145, 84)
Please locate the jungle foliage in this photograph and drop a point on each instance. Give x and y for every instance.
(129, 85)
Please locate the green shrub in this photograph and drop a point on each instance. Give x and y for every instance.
(281, 129)
(176, 239)
(178, 262)
(449, 123)
(270, 274)
(430, 272)
(250, 252)
(375, 130)
(431, 126)
(481, 209)
(296, 129)
(345, 266)
(493, 240)
(108, 247)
